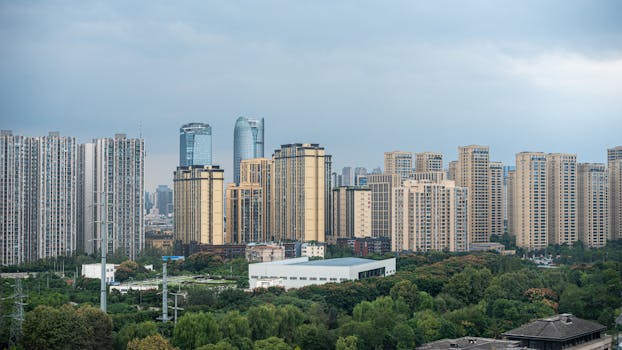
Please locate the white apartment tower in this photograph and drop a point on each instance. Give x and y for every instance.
(429, 216)
(529, 222)
(592, 207)
(561, 198)
(473, 172)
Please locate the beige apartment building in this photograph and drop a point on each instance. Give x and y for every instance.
(301, 185)
(428, 162)
(351, 212)
(592, 206)
(561, 198)
(398, 162)
(430, 216)
(495, 193)
(198, 204)
(473, 172)
(381, 186)
(452, 168)
(614, 166)
(510, 201)
(529, 222)
(249, 204)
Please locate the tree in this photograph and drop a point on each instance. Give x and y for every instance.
(152, 342)
(314, 337)
(263, 321)
(133, 331)
(469, 285)
(221, 345)
(272, 343)
(128, 269)
(347, 343)
(195, 329)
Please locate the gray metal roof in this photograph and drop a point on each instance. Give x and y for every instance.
(471, 343)
(336, 262)
(557, 328)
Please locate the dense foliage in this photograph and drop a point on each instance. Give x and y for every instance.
(432, 296)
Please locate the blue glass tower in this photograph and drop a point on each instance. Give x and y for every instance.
(195, 144)
(247, 142)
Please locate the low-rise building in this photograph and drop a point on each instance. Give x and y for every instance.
(366, 246)
(471, 343)
(264, 252)
(300, 272)
(95, 271)
(313, 250)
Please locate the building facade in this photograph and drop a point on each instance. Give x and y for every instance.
(428, 162)
(351, 212)
(245, 213)
(495, 195)
(473, 172)
(592, 205)
(164, 200)
(398, 162)
(301, 188)
(614, 166)
(248, 142)
(429, 216)
(195, 144)
(562, 198)
(199, 205)
(530, 217)
(381, 186)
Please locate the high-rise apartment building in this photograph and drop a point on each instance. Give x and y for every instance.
(382, 186)
(164, 200)
(195, 144)
(495, 195)
(199, 206)
(429, 216)
(428, 162)
(452, 168)
(510, 198)
(351, 212)
(39, 191)
(614, 166)
(506, 195)
(530, 224)
(592, 207)
(301, 189)
(562, 198)
(112, 192)
(473, 172)
(398, 162)
(248, 142)
(249, 204)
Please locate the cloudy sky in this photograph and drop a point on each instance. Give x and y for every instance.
(358, 77)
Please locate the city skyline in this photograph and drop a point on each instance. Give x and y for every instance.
(361, 79)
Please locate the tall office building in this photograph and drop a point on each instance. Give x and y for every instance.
(148, 202)
(301, 192)
(429, 216)
(249, 204)
(351, 212)
(382, 186)
(248, 142)
(428, 162)
(614, 166)
(195, 144)
(398, 162)
(347, 177)
(592, 208)
(495, 195)
(164, 200)
(38, 189)
(473, 172)
(530, 215)
(112, 192)
(562, 198)
(199, 205)
(510, 199)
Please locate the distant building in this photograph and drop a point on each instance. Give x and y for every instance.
(382, 186)
(562, 198)
(164, 200)
(564, 331)
(473, 172)
(300, 272)
(428, 162)
(347, 176)
(614, 167)
(264, 252)
(195, 144)
(530, 219)
(495, 193)
(313, 250)
(366, 246)
(351, 212)
(592, 208)
(95, 271)
(472, 343)
(398, 162)
(248, 142)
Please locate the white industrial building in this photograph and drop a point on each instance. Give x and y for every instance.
(300, 272)
(95, 271)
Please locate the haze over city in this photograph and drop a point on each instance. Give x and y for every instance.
(360, 78)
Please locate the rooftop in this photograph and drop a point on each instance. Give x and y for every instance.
(335, 262)
(471, 343)
(559, 328)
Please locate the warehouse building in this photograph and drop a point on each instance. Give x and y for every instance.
(300, 272)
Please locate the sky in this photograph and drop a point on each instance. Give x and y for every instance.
(358, 77)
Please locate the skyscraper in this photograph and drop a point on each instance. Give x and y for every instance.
(382, 186)
(398, 162)
(347, 177)
(530, 219)
(428, 216)
(562, 198)
(473, 172)
(592, 208)
(510, 200)
(614, 166)
(301, 192)
(351, 212)
(199, 206)
(195, 144)
(507, 195)
(112, 192)
(248, 142)
(38, 189)
(495, 195)
(164, 200)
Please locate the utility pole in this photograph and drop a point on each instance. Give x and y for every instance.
(176, 307)
(164, 317)
(18, 314)
(103, 304)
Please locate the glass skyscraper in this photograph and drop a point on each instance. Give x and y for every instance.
(195, 144)
(247, 142)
